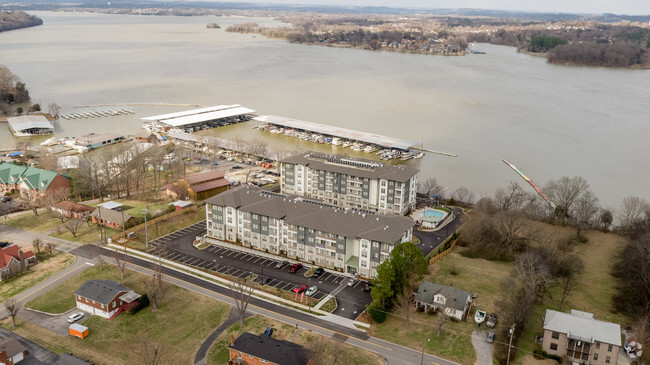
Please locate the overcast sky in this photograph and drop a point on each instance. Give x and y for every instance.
(626, 7)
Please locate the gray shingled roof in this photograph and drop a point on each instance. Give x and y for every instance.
(582, 326)
(270, 349)
(101, 291)
(456, 298)
(349, 166)
(112, 216)
(315, 215)
(11, 346)
(70, 359)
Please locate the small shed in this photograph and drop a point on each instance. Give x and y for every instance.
(78, 330)
(181, 204)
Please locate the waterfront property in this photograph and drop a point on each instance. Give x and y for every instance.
(92, 141)
(348, 240)
(30, 125)
(350, 182)
(429, 218)
(105, 298)
(260, 349)
(197, 119)
(31, 181)
(433, 297)
(580, 339)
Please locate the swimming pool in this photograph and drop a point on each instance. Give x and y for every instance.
(434, 213)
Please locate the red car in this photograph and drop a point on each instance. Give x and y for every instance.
(294, 268)
(299, 289)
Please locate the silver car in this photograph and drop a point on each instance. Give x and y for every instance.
(75, 317)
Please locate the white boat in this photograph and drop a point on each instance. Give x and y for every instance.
(370, 148)
(347, 144)
(337, 141)
(49, 141)
(479, 316)
(419, 155)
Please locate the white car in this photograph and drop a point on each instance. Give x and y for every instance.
(352, 282)
(311, 291)
(75, 317)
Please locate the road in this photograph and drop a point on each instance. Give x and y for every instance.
(429, 241)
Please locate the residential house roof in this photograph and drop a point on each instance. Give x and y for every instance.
(270, 349)
(353, 166)
(455, 298)
(12, 347)
(72, 207)
(203, 177)
(101, 291)
(112, 216)
(70, 359)
(29, 122)
(12, 251)
(210, 185)
(181, 203)
(94, 138)
(316, 215)
(10, 173)
(34, 178)
(582, 326)
(110, 205)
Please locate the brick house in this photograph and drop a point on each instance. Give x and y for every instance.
(31, 181)
(111, 218)
(72, 210)
(105, 298)
(579, 338)
(250, 349)
(433, 297)
(12, 352)
(13, 260)
(200, 186)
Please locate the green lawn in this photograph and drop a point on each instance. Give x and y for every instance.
(85, 234)
(46, 267)
(35, 223)
(181, 324)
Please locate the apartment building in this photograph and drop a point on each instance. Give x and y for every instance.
(352, 241)
(351, 182)
(578, 338)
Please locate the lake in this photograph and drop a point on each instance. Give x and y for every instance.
(548, 120)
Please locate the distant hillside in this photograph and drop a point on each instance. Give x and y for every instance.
(10, 20)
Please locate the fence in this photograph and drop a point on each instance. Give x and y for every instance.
(443, 253)
(154, 221)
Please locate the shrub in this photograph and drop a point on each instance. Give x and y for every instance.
(377, 312)
(143, 303)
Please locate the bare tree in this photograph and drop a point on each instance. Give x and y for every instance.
(156, 288)
(49, 248)
(432, 188)
(584, 211)
(242, 294)
(512, 197)
(151, 353)
(633, 209)
(120, 261)
(641, 329)
(444, 314)
(37, 244)
(463, 195)
(533, 271)
(405, 303)
(73, 226)
(53, 109)
(564, 192)
(13, 307)
(7, 80)
(515, 231)
(569, 270)
(51, 198)
(101, 260)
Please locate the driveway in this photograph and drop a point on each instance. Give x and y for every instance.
(57, 323)
(483, 349)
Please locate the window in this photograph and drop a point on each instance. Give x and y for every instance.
(555, 335)
(597, 345)
(609, 348)
(596, 356)
(553, 346)
(608, 359)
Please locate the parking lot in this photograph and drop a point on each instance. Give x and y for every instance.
(178, 247)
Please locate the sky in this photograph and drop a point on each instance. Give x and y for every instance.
(621, 7)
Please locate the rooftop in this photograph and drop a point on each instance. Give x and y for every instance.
(582, 326)
(72, 207)
(112, 216)
(110, 205)
(200, 115)
(270, 349)
(377, 139)
(93, 138)
(29, 122)
(352, 166)
(101, 291)
(315, 215)
(456, 298)
(11, 346)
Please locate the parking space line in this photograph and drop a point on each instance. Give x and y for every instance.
(250, 258)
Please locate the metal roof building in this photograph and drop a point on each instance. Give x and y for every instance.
(376, 139)
(28, 125)
(202, 115)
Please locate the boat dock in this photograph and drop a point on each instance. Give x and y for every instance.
(97, 113)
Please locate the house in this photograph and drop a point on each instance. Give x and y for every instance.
(111, 218)
(256, 350)
(199, 186)
(13, 260)
(434, 297)
(31, 181)
(579, 338)
(11, 351)
(93, 140)
(145, 137)
(70, 209)
(70, 359)
(105, 298)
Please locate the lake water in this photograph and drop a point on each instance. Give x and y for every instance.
(548, 120)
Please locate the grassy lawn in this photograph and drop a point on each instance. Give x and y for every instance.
(85, 234)
(454, 342)
(46, 267)
(324, 347)
(135, 207)
(35, 223)
(180, 331)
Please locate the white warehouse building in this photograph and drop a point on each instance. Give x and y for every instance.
(348, 240)
(351, 182)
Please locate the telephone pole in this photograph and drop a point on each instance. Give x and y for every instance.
(512, 332)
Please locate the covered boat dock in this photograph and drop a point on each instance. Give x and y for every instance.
(197, 119)
(30, 125)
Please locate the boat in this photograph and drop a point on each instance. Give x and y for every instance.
(370, 148)
(347, 144)
(49, 141)
(479, 316)
(336, 141)
(476, 51)
(419, 155)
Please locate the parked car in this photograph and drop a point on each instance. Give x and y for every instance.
(281, 264)
(268, 332)
(299, 289)
(490, 337)
(75, 317)
(311, 291)
(266, 280)
(630, 348)
(367, 287)
(320, 271)
(294, 268)
(352, 282)
(491, 321)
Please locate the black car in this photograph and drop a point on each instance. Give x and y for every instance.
(268, 332)
(367, 287)
(320, 271)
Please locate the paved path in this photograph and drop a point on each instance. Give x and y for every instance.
(233, 317)
(483, 349)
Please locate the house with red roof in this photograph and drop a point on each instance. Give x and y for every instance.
(13, 260)
(199, 186)
(70, 209)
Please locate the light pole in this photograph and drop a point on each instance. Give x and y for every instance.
(214, 263)
(146, 231)
(422, 358)
(512, 331)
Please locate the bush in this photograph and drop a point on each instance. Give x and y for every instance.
(35, 108)
(143, 303)
(377, 312)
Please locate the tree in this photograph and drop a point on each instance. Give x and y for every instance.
(443, 315)
(432, 188)
(53, 109)
(13, 307)
(49, 248)
(242, 295)
(405, 264)
(604, 220)
(100, 261)
(156, 288)
(35, 108)
(583, 212)
(181, 188)
(7, 82)
(405, 302)
(19, 110)
(633, 275)
(73, 226)
(533, 270)
(463, 195)
(564, 192)
(569, 270)
(37, 243)
(510, 198)
(151, 353)
(633, 210)
(120, 261)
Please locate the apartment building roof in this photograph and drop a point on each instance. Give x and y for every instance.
(582, 326)
(316, 215)
(352, 166)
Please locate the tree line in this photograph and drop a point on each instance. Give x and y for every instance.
(10, 20)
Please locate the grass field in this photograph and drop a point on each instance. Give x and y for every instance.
(36, 223)
(135, 207)
(85, 234)
(324, 347)
(120, 341)
(46, 267)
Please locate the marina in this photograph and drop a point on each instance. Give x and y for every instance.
(96, 113)
(198, 119)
